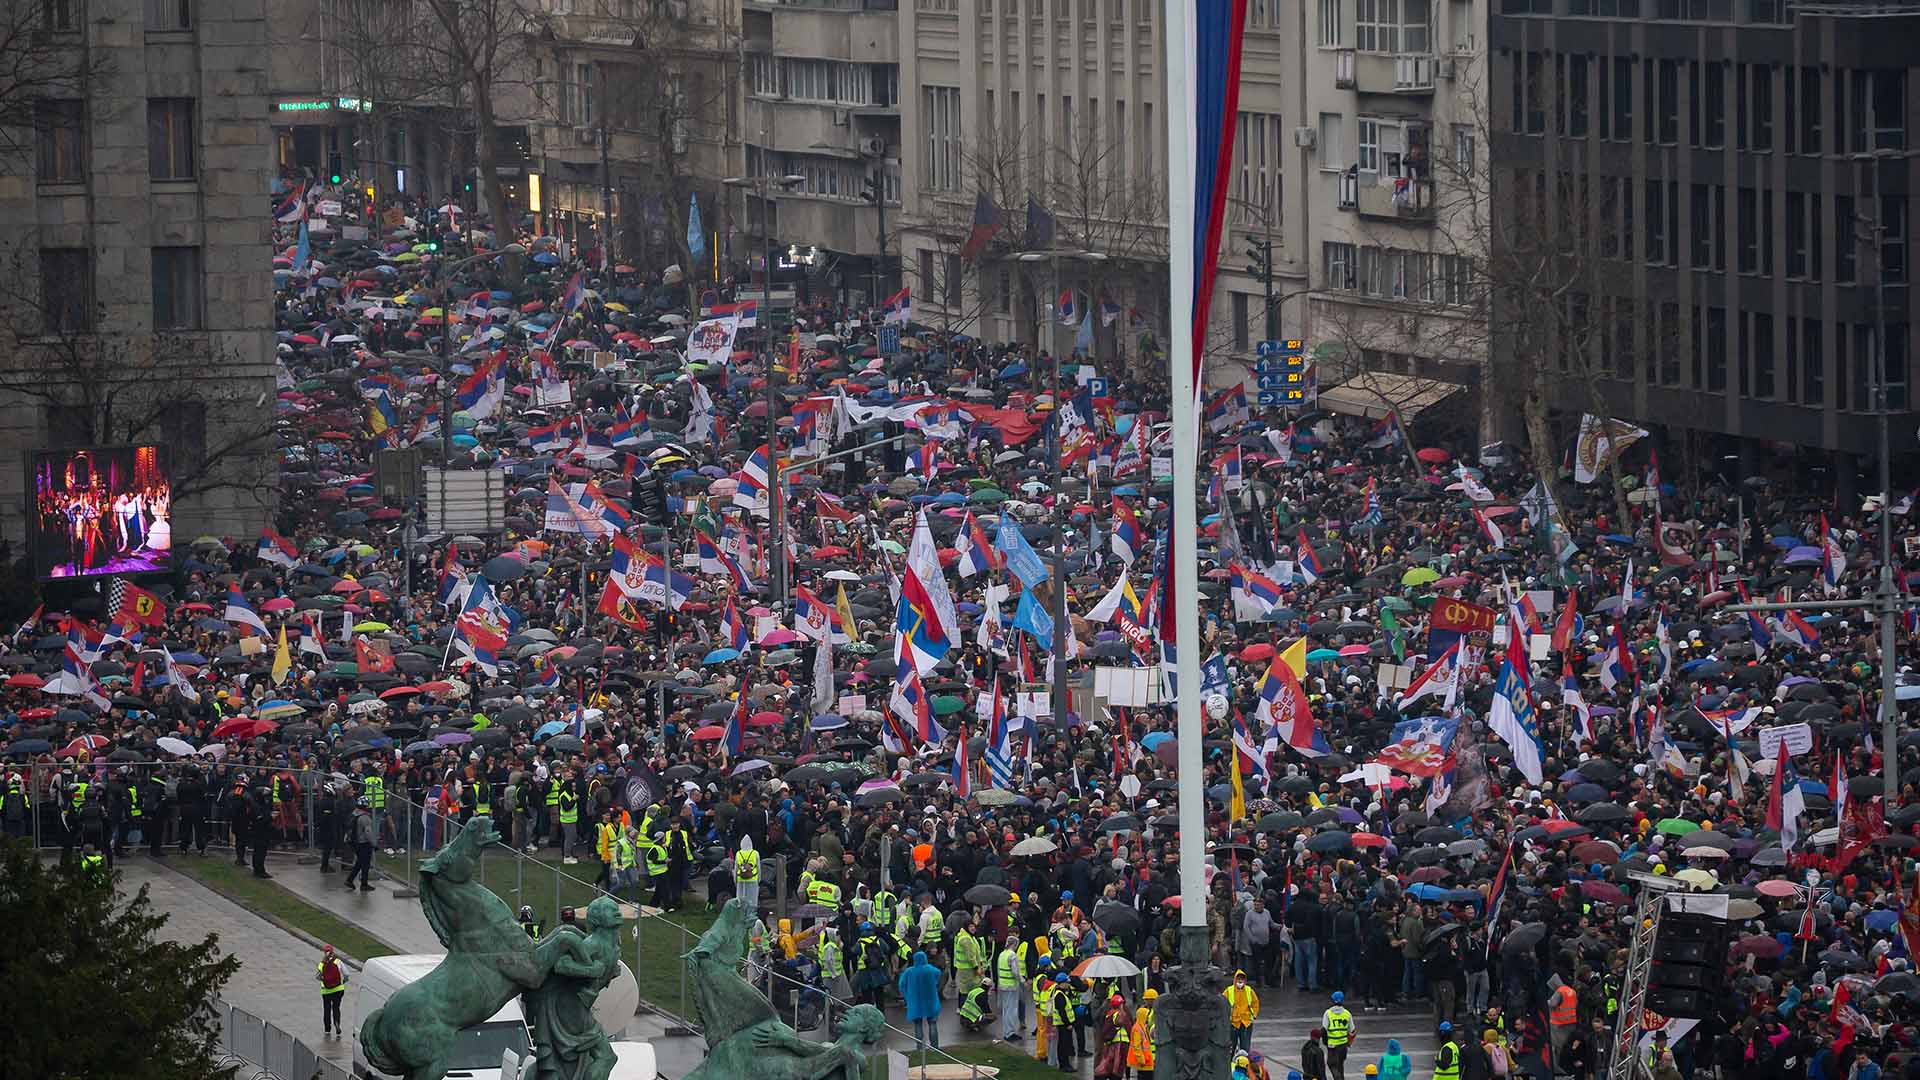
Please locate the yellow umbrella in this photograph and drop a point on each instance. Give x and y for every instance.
(615, 305)
(370, 627)
(432, 313)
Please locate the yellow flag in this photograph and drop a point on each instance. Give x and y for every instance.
(1296, 657)
(846, 611)
(282, 660)
(1237, 809)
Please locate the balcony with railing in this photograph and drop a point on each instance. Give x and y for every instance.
(1343, 61)
(1395, 73)
(1386, 198)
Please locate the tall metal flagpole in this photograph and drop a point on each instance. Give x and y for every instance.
(1186, 464)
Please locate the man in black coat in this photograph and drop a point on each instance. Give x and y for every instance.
(326, 823)
(191, 795)
(260, 827)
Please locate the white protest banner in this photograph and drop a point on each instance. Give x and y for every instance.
(712, 340)
(1799, 739)
(327, 208)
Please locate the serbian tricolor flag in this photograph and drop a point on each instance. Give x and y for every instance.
(1567, 627)
(1127, 539)
(733, 629)
(1307, 564)
(1206, 85)
(1833, 559)
(277, 549)
(977, 553)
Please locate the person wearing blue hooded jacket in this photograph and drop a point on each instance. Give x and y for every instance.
(920, 987)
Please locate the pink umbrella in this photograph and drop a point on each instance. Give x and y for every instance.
(782, 636)
(278, 603)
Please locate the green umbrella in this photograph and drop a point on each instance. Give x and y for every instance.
(1395, 603)
(347, 667)
(1419, 575)
(1321, 656)
(947, 705)
(354, 699)
(989, 495)
(310, 384)
(996, 797)
(1677, 826)
(892, 547)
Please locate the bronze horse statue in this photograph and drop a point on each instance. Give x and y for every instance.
(489, 962)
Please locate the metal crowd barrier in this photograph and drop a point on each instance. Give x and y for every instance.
(264, 1052)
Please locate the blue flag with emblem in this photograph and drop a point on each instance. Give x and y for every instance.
(1021, 558)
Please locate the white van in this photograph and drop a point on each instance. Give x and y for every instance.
(481, 1049)
(476, 1055)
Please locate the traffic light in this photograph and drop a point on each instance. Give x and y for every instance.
(433, 245)
(334, 172)
(1262, 255)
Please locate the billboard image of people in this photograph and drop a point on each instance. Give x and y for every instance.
(101, 511)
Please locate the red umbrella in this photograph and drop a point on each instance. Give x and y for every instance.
(1428, 873)
(1355, 649)
(1257, 651)
(709, 733)
(766, 719)
(1432, 455)
(399, 691)
(84, 744)
(1604, 891)
(27, 680)
(437, 686)
(1369, 840)
(347, 586)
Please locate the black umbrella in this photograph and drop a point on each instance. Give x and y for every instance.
(1524, 938)
(1330, 843)
(1275, 822)
(1116, 918)
(1599, 812)
(988, 895)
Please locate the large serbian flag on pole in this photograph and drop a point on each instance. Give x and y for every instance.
(1215, 31)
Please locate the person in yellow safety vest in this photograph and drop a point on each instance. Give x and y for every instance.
(606, 836)
(1245, 1006)
(969, 960)
(622, 872)
(332, 976)
(1339, 1024)
(885, 907)
(746, 875)
(933, 933)
(1065, 943)
(1063, 1012)
(1140, 1039)
(568, 808)
(1115, 1032)
(825, 893)
(658, 863)
(833, 962)
(1446, 1063)
(374, 787)
(1042, 985)
(1009, 974)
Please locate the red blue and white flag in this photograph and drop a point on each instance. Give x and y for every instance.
(1306, 560)
(1287, 714)
(733, 628)
(1128, 541)
(277, 549)
(977, 553)
(1833, 559)
(240, 613)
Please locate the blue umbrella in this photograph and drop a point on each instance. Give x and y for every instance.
(550, 728)
(1784, 542)
(546, 258)
(721, 656)
(681, 476)
(1151, 740)
(829, 722)
(1013, 371)
(1427, 890)
(1617, 538)
(198, 624)
(1127, 489)
(1805, 555)
(1881, 919)
(465, 440)
(190, 657)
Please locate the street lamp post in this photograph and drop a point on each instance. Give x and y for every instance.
(777, 562)
(1059, 695)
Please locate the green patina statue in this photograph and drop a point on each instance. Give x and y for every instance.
(571, 1044)
(745, 1040)
(489, 962)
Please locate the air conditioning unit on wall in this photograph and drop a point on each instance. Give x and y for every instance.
(1305, 138)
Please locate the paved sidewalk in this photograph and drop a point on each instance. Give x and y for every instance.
(275, 981)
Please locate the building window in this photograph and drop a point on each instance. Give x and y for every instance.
(1257, 142)
(1368, 148)
(941, 105)
(1709, 223)
(1376, 25)
(1463, 149)
(1333, 23)
(60, 129)
(1241, 335)
(170, 138)
(169, 14)
(1803, 110)
(1003, 291)
(1333, 147)
(1337, 266)
(1416, 29)
(950, 285)
(59, 16)
(1664, 92)
(1796, 208)
(1813, 362)
(1708, 93)
(176, 288)
(1893, 239)
(1846, 255)
(66, 290)
(763, 75)
(184, 427)
(1455, 280)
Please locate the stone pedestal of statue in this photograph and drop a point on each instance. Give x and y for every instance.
(1193, 1034)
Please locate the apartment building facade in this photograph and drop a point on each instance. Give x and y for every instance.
(135, 298)
(1337, 208)
(1748, 173)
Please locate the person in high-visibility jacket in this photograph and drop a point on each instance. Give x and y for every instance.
(1009, 975)
(657, 863)
(974, 1010)
(622, 863)
(746, 875)
(824, 892)
(1563, 1019)
(605, 836)
(1245, 1006)
(1446, 1063)
(332, 978)
(1042, 986)
(1338, 1023)
(1063, 1011)
(969, 960)
(1140, 1038)
(832, 959)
